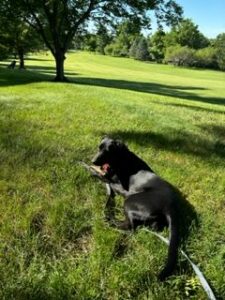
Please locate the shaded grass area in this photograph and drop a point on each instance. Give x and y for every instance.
(179, 142)
(55, 243)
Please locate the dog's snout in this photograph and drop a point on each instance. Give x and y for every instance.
(95, 159)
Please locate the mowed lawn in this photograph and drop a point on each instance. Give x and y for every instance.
(54, 241)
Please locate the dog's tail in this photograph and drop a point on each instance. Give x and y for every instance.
(173, 246)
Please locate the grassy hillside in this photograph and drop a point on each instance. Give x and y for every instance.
(55, 243)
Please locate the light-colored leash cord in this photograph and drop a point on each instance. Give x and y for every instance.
(197, 271)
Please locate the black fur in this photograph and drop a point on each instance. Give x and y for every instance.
(149, 199)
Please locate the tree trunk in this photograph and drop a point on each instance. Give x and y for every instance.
(59, 61)
(21, 58)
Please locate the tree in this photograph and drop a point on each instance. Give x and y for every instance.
(18, 37)
(21, 39)
(219, 44)
(157, 45)
(134, 46)
(4, 49)
(89, 42)
(102, 38)
(142, 50)
(186, 33)
(58, 21)
(125, 33)
(4, 52)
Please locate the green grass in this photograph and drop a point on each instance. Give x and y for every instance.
(55, 243)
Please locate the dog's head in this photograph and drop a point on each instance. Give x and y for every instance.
(109, 152)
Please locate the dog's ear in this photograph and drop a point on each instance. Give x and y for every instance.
(118, 144)
(105, 136)
(104, 139)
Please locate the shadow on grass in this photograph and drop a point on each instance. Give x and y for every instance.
(31, 74)
(22, 140)
(14, 77)
(176, 141)
(183, 92)
(38, 59)
(49, 70)
(216, 130)
(20, 77)
(192, 107)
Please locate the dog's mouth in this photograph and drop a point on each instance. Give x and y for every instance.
(101, 169)
(105, 168)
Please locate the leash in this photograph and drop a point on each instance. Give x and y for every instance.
(196, 269)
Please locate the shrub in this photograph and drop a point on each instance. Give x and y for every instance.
(180, 56)
(220, 58)
(206, 58)
(115, 49)
(109, 49)
(220, 46)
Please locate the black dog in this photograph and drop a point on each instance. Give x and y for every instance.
(149, 199)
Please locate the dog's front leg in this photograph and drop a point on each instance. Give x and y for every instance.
(110, 204)
(119, 189)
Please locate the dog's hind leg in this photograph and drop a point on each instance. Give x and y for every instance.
(157, 223)
(123, 225)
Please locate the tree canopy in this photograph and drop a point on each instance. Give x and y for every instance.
(58, 21)
(220, 46)
(17, 36)
(157, 45)
(186, 33)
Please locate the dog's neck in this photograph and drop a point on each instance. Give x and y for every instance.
(127, 164)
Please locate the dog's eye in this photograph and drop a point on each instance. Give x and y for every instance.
(111, 147)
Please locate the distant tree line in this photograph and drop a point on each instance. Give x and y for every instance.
(183, 45)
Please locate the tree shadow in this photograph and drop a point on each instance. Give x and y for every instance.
(177, 141)
(192, 107)
(216, 130)
(10, 58)
(21, 139)
(219, 132)
(175, 91)
(49, 70)
(43, 73)
(37, 59)
(20, 77)
(31, 74)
